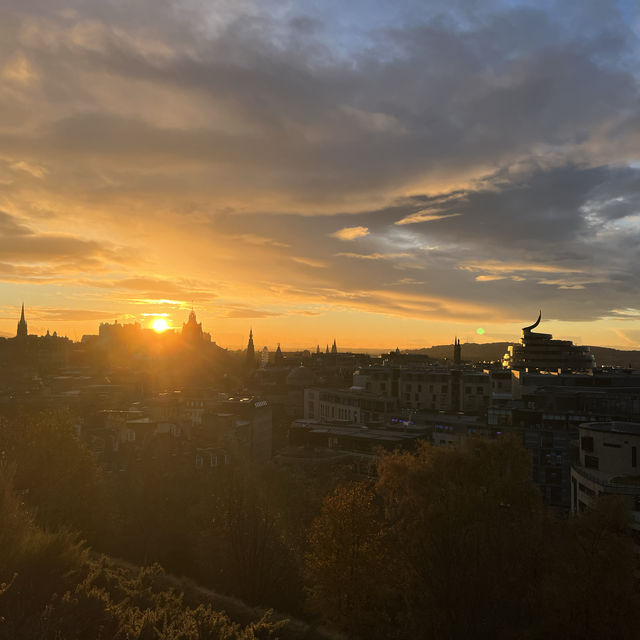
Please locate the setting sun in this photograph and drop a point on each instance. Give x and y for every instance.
(160, 325)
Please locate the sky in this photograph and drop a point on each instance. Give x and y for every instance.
(382, 173)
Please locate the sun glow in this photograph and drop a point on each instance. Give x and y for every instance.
(160, 325)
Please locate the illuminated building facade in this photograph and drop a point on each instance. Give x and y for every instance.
(539, 351)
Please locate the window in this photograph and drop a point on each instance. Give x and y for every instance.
(479, 391)
(634, 460)
(586, 443)
(611, 444)
(443, 389)
(198, 461)
(591, 462)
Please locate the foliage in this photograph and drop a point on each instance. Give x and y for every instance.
(348, 559)
(55, 590)
(460, 542)
(56, 473)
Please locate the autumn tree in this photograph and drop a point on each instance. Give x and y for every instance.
(469, 552)
(350, 580)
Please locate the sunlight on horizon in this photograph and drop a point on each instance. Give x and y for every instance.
(160, 325)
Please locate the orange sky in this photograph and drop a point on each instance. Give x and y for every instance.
(387, 178)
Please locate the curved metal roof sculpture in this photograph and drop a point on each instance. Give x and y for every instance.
(535, 324)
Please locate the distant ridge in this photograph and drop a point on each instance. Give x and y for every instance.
(491, 351)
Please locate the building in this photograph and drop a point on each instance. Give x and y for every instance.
(548, 408)
(349, 406)
(192, 332)
(429, 388)
(320, 442)
(607, 465)
(238, 426)
(539, 351)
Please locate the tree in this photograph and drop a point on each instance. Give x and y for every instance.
(59, 477)
(454, 543)
(346, 566)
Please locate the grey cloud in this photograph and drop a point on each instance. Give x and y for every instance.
(20, 243)
(460, 98)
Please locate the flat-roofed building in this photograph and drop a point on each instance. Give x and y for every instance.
(353, 406)
(608, 464)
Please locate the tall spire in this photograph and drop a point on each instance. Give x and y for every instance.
(278, 357)
(334, 348)
(457, 351)
(251, 352)
(22, 325)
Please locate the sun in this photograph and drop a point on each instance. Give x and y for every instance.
(160, 325)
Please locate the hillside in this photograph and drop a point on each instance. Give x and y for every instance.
(490, 351)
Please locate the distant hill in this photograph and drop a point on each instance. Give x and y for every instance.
(495, 350)
(470, 351)
(616, 358)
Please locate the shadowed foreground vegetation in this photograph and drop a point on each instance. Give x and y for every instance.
(446, 543)
(59, 589)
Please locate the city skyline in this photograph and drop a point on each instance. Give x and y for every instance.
(389, 175)
(159, 324)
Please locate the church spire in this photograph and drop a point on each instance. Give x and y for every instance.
(251, 352)
(22, 325)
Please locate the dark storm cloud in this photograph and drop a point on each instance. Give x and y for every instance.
(567, 237)
(451, 99)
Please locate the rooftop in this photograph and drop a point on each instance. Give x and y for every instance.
(630, 428)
